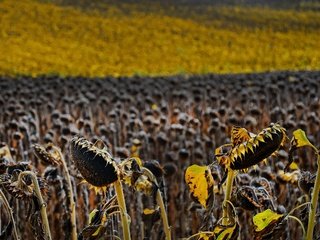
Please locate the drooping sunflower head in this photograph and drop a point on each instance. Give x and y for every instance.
(95, 164)
(46, 155)
(249, 149)
(134, 175)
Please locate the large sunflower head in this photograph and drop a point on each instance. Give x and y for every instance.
(95, 164)
(249, 149)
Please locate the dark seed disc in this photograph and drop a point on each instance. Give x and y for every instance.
(260, 151)
(93, 164)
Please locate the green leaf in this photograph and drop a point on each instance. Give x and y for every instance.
(200, 182)
(300, 139)
(92, 214)
(265, 219)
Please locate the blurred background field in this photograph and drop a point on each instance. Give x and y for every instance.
(98, 38)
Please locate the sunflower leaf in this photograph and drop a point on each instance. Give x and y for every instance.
(265, 219)
(220, 232)
(300, 139)
(206, 236)
(200, 182)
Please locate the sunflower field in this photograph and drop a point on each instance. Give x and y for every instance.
(97, 38)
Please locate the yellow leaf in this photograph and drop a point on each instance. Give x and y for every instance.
(221, 233)
(226, 234)
(102, 220)
(300, 139)
(97, 231)
(5, 153)
(265, 219)
(138, 160)
(148, 211)
(154, 106)
(200, 182)
(205, 236)
(294, 166)
(92, 214)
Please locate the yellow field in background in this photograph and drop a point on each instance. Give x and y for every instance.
(123, 39)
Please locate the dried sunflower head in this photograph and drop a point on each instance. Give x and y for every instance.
(134, 176)
(248, 149)
(47, 154)
(95, 164)
(306, 181)
(155, 167)
(5, 158)
(23, 187)
(247, 198)
(3, 164)
(51, 175)
(18, 167)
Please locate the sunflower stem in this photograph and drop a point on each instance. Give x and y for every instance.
(163, 215)
(314, 202)
(70, 196)
(9, 209)
(43, 205)
(299, 221)
(160, 203)
(122, 204)
(225, 215)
